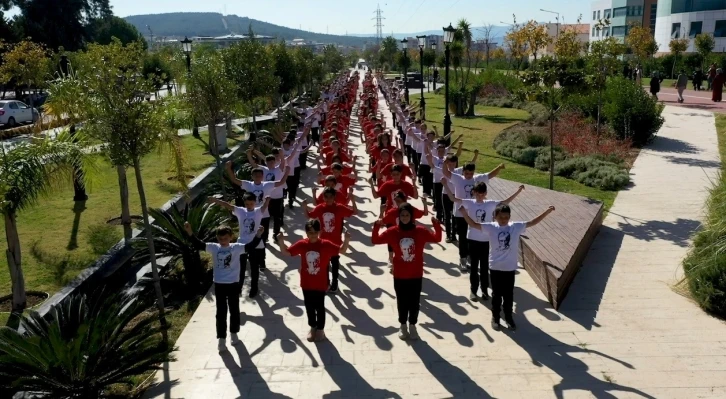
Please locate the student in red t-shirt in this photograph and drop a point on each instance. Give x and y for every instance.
(340, 197)
(315, 254)
(406, 171)
(391, 186)
(408, 241)
(375, 167)
(332, 215)
(343, 182)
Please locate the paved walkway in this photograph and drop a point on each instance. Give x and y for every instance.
(621, 333)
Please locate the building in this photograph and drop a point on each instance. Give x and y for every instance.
(553, 30)
(620, 13)
(227, 40)
(688, 18)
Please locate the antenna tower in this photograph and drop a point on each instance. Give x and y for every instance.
(379, 24)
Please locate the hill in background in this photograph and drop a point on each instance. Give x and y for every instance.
(190, 24)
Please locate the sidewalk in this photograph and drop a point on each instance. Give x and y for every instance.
(621, 332)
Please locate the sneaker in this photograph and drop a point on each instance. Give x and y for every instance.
(290, 205)
(319, 335)
(495, 325)
(462, 264)
(235, 339)
(473, 296)
(333, 287)
(454, 240)
(403, 332)
(449, 240)
(511, 325)
(221, 345)
(253, 292)
(412, 333)
(311, 335)
(390, 269)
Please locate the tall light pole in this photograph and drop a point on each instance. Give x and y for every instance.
(421, 45)
(436, 74)
(556, 19)
(404, 44)
(448, 38)
(187, 48)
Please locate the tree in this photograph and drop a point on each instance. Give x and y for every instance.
(304, 59)
(704, 43)
(29, 171)
(389, 49)
(60, 23)
(516, 42)
(103, 30)
(677, 47)
(535, 37)
(567, 45)
(603, 62)
(640, 41)
(486, 37)
(467, 40)
(116, 113)
(84, 346)
(284, 69)
(333, 59)
(27, 63)
(429, 58)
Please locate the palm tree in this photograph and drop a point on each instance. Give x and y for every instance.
(467, 39)
(28, 171)
(83, 347)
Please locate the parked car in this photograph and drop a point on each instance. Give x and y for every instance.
(13, 112)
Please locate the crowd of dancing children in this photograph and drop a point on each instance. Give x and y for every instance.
(398, 162)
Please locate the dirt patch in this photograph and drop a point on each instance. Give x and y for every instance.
(33, 299)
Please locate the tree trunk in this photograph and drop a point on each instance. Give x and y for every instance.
(212, 130)
(228, 124)
(472, 102)
(14, 262)
(123, 186)
(152, 252)
(79, 187)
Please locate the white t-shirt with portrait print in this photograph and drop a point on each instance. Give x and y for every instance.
(480, 212)
(261, 191)
(249, 222)
(273, 175)
(463, 187)
(504, 244)
(226, 262)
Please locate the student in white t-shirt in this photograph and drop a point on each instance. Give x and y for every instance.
(480, 210)
(226, 276)
(436, 158)
(503, 256)
(463, 183)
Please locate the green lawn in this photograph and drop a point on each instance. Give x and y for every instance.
(479, 133)
(62, 229)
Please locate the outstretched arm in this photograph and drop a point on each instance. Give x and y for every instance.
(283, 179)
(513, 196)
(251, 158)
(469, 220)
(231, 175)
(197, 244)
(445, 186)
(305, 208)
(495, 171)
(223, 204)
(282, 245)
(541, 217)
(476, 156)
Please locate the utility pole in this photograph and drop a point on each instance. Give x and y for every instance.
(379, 24)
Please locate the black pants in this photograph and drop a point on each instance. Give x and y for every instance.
(409, 154)
(227, 296)
(257, 259)
(276, 208)
(479, 273)
(265, 222)
(416, 160)
(502, 291)
(293, 181)
(408, 296)
(334, 269)
(315, 135)
(461, 228)
(427, 179)
(438, 206)
(315, 308)
(303, 158)
(448, 206)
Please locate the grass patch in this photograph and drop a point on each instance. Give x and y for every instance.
(705, 265)
(479, 133)
(67, 229)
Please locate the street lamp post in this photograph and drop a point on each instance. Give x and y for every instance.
(421, 45)
(448, 38)
(404, 44)
(435, 74)
(556, 19)
(187, 48)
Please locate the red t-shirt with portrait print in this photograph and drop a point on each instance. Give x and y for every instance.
(331, 220)
(391, 216)
(390, 187)
(405, 172)
(408, 247)
(314, 260)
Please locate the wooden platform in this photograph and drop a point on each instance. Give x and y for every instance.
(552, 251)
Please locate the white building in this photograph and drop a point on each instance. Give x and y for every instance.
(688, 18)
(620, 13)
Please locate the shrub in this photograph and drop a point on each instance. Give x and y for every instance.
(631, 112)
(490, 76)
(577, 136)
(543, 159)
(539, 115)
(593, 172)
(536, 140)
(101, 237)
(525, 156)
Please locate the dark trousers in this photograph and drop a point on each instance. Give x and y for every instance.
(479, 273)
(448, 206)
(276, 208)
(334, 269)
(315, 308)
(303, 158)
(438, 206)
(265, 222)
(502, 291)
(293, 182)
(257, 259)
(427, 179)
(315, 135)
(416, 160)
(409, 154)
(408, 296)
(461, 228)
(227, 296)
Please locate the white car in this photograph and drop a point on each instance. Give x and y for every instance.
(14, 112)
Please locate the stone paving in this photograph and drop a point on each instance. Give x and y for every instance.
(622, 332)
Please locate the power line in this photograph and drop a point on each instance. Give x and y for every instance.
(414, 12)
(379, 24)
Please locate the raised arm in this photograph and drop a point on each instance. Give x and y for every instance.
(373, 188)
(476, 156)
(264, 206)
(231, 175)
(250, 157)
(282, 245)
(305, 207)
(437, 234)
(447, 190)
(469, 221)
(513, 196)
(223, 204)
(283, 179)
(425, 206)
(457, 140)
(496, 171)
(460, 149)
(197, 244)
(541, 217)
(346, 242)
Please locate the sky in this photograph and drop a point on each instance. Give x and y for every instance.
(341, 16)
